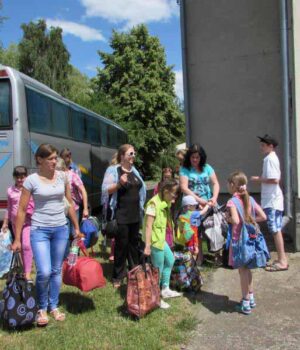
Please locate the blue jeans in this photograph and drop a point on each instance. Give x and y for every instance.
(48, 246)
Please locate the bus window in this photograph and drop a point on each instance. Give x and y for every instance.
(78, 125)
(112, 136)
(60, 119)
(93, 131)
(103, 132)
(4, 104)
(39, 111)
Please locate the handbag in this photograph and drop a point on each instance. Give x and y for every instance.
(86, 274)
(250, 250)
(143, 292)
(18, 307)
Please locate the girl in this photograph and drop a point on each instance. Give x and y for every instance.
(167, 173)
(13, 199)
(237, 186)
(158, 217)
(49, 232)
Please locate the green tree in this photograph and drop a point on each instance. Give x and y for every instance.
(10, 56)
(44, 57)
(80, 88)
(137, 78)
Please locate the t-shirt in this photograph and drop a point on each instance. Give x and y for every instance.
(271, 194)
(75, 182)
(48, 200)
(128, 203)
(199, 182)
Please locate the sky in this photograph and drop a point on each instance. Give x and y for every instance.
(87, 26)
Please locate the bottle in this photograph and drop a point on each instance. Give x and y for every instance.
(73, 255)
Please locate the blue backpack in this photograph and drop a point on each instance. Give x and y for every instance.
(250, 250)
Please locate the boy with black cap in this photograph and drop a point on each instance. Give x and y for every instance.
(272, 198)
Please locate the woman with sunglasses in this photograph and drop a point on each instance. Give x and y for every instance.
(124, 194)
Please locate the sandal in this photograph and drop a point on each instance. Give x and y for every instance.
(58, 316)
(42, 318)
(276, 268)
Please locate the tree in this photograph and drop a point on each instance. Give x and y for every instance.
(80, 88)
(44, 57)
(136, 77)
(10, 56)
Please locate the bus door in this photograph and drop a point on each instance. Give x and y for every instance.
(6, 140)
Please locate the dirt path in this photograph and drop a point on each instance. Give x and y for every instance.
(274, 324)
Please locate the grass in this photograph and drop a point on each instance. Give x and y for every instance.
(96, 320)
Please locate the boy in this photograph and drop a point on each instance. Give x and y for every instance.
(187, 234)
(272, 199)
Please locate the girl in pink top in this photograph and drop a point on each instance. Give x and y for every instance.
(13, 198)
(237, 186)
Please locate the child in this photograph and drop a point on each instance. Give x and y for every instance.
(187, 235)
(157, 218)
(272, 199)
(13, 198)
(237, 186)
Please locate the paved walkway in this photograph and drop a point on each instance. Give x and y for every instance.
(274, 324)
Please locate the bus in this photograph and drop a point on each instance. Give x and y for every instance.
(31, 113)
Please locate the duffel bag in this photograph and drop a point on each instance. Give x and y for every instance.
(143, 292)
(18, 307)
(86, 274)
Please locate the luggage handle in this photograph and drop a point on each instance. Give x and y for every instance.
(16, 262)
(145, 259)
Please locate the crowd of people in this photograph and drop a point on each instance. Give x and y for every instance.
(42, 222)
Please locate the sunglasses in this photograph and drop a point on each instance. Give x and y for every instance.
(131, 154)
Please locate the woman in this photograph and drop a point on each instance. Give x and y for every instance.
(198, 179)
(49, 231)
(124, 193)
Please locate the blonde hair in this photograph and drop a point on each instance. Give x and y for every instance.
(61, 165)
(239, 181)
(114, 160)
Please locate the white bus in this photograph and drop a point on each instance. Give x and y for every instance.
(31, 113)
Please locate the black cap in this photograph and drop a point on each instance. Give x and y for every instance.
(269, 140)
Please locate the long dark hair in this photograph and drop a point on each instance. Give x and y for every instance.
(195, 148)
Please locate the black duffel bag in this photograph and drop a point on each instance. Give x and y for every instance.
(18, 307)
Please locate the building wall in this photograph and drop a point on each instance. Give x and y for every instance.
(233, 80)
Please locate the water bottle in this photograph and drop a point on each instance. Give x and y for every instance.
(73, 255)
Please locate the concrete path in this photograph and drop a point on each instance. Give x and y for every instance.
(274, 324)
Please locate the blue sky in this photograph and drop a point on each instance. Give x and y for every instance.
(87, 26)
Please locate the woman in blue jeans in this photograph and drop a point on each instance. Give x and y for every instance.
(49, 233)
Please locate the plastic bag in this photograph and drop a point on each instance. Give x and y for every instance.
(5, 253)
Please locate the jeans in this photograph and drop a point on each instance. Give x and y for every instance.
(164, 261)
(48, 247)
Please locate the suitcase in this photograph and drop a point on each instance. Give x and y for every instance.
(86, 274)
(143, 292)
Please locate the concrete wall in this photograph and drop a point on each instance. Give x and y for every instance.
(233, 76)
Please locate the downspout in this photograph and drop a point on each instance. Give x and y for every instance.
(285, 102)
(185, 72)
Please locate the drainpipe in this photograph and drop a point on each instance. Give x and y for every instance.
(185, 72)
(285, 102)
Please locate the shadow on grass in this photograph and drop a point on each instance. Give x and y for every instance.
(215, 303)
(76, 303)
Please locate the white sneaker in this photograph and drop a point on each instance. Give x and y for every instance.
(168, 293)
(163, 304)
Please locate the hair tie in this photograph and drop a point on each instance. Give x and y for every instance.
(242, 188)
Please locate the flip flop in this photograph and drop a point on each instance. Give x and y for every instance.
(272, 262)
(276, 268)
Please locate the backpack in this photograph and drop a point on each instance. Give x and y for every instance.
(90, 228)
(250, 250)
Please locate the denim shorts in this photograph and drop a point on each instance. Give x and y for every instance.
(274, 220)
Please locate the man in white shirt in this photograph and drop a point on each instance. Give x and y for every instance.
(272, 199)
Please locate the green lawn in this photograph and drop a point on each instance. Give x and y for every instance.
(96, 320)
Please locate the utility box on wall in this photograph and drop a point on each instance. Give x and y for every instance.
(234, 87)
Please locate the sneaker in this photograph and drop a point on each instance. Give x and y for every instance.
(163, 304)
(168, 293)
(244, 307)
(252, 301)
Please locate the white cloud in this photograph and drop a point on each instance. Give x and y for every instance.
(131, 12)
(84, 32)
(179, 84)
